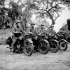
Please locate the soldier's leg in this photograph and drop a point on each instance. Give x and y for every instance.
(14, 44)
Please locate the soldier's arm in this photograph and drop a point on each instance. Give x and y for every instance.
(14, 29)
(23, 32)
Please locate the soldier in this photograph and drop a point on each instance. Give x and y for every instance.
(43, 29)
(32, 28)
(33, 31)
(50, 30)
(40, 30)
(17, 29)
(27, 29)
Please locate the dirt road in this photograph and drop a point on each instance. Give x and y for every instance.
(50, 61)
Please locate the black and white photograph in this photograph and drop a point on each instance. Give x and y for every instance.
(34, 34)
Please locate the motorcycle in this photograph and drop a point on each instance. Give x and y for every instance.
(54, 44)
(22, 44)
(28, 45)
(63, 44)
(41, 44)
(15, 38)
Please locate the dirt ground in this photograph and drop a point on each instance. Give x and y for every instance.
(50, 61)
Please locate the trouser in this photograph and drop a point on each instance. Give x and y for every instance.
(14, 43)
(15, 40)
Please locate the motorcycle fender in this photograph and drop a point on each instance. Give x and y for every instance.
(45, 41)
(30, 41)
(62, 40)
(54, 40)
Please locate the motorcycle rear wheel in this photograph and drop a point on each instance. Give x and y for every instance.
(43, 47)
(54, 46)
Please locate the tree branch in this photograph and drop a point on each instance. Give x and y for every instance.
(54, 6)
(57, 16)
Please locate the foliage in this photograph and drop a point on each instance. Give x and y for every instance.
(2, 2)
(16, 9)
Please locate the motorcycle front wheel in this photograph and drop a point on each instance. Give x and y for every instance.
(63, 45)
(28, 48)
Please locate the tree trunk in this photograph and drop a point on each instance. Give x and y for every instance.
(51, 17)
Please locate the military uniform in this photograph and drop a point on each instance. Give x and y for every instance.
(50, 31)
(17, 29)
(32, 29)
(41, 29)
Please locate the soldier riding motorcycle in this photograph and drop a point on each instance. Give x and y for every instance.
(21, 41)
(14, 40)
(40, 43)
(24, 44)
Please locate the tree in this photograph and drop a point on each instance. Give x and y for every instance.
(51, 6)
(14, 11)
